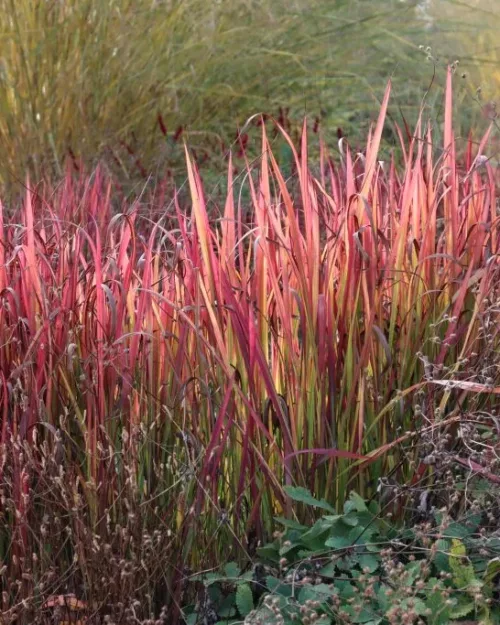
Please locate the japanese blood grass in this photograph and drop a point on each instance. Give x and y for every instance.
(176, 381)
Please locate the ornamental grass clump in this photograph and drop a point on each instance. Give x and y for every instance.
(162, 384)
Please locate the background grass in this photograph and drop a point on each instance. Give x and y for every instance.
(90, 79)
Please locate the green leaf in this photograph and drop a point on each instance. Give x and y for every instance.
(365, 616)
(339, 537)
(215, 593)
(332, 517)
(463, 608)
(302, 495)
(276, 586)
(323, 620)
(346, 589)
(338, 542)
(315, 537)
(270, 553)
(383, 600)
(461, 530)
(208, 578)
(290, 523)
(244, 600)
(328, 570)
(319, 592)
(413, 572)
(362, 536)
(303, 554)
(418, 605)
(227, 608)
(323, 590)
(370, 562)
(492, 571)
(461, 568)
(485, 617)
(285, 550)
(441, 559)
(232, 570)
(374, 507)
(347, 563)
(356, 502)
(440, 612)
(351, 519)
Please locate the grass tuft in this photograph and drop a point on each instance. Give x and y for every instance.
(180, 376)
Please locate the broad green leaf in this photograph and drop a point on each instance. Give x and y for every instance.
(208, 578)
(279, 587)
(270, 553)
(462, 530)
(288, 549)
(315, 537)
(308, 553)
(356, 502)
(463, 607)
(215, 593)
(340, 535)
(317, 592)
(413, 571)
(366, 615)
(323, 620)
(227, 608)
(370, 562)
(328, 570)
(418, 605)
(346, 590)
(440, 612)
(347, 563)
(485, 617)
(461, 568)
(338, 542)
(351, 518)
(492, 571)
(244, 599)
(301, 494)
(290, 523)
(324, 589)
(442, 558)
(362, 535)
(383, 600)
(232, 570)
(374, 507)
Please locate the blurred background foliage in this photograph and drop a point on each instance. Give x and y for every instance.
(125, 81)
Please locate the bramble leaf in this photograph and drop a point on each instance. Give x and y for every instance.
(244, 600)
(301, 494)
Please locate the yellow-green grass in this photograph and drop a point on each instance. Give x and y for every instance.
(468, 30)
(90, 78)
